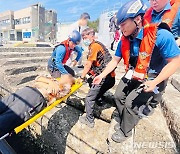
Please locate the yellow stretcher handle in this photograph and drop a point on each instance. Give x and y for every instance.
(74, 88)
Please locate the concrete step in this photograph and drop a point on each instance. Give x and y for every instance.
(18, 69)
(27, 60)
(24, 54)
(84, 140)
(29, 83)
(26, 49)
(18, 79)
(5, 88)
(171, 105)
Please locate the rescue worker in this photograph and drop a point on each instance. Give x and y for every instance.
(165, 11)
(168, 12)
(60, 55)
(150, 55)
(97, 60)
(79, 25)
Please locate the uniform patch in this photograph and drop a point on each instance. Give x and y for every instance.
(135, 7)
(143, 55)
(140, 67)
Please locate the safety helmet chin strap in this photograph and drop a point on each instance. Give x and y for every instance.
(69, 45)
(136, 30)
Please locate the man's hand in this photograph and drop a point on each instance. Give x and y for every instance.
(54, 88)
(79, 80)
(149, 86)
(97, 79)
(74, 63)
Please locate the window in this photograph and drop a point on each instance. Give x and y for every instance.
(17, 21)
(24, 20)
(28, 19)
(5, 22)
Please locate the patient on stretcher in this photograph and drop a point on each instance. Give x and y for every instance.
(20, 106)
(54, 89)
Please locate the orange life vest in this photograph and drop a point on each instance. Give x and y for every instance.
(145, 52)
(68, 50)
(169, 15)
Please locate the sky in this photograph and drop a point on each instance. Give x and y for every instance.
(67, 10)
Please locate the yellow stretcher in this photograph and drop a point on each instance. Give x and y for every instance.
(74, 88)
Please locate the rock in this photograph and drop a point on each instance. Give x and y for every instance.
(170, 105)
(154, 132)
(176, 81)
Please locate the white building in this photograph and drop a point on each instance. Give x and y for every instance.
(33, 23)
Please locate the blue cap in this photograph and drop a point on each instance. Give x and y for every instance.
(75, 37)
(130, 9)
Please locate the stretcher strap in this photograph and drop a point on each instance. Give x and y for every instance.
(74, 88)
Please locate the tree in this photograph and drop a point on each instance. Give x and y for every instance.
(94, 24)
